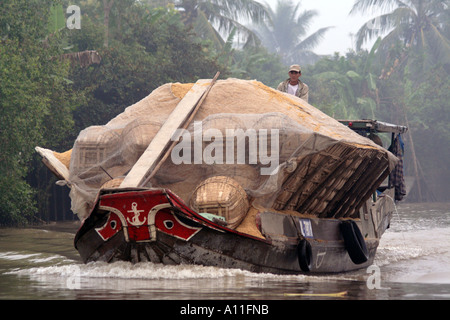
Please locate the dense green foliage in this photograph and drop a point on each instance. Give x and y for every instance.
(153, 48)
(35, 101)
(45, 99)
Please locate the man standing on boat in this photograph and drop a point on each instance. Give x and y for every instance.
(293, 85)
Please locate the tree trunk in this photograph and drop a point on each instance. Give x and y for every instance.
(106, 11)
(415, 161)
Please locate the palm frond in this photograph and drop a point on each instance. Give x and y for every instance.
(365, 6)
(284, 30)
(235, 9)
(438, 44)
(304, 21)
(382, 24)
(313, 40)
(203, 28)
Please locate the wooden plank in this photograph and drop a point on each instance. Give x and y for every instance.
(160, 144)
(185, 125)
(331, 295)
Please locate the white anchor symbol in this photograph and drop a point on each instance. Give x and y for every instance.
(135, 220)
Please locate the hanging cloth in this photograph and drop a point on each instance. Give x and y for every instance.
(396, 176)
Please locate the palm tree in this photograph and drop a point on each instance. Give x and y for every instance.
(285, 30)
(416, 40)
(212, 17)
(419, 26)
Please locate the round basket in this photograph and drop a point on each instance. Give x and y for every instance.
(222, 196)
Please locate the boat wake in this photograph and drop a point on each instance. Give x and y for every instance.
(23, 260)
(143, 271)
(420, 256)
(403, 256)
(415, 256)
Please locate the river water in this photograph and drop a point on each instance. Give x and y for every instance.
(412, 263)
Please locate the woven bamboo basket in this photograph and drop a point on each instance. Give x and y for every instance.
(221, 196)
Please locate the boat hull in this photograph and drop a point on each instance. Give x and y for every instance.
(171, 233)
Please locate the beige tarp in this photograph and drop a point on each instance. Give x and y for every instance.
(286, 154)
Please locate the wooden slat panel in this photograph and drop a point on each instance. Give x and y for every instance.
(160, 143)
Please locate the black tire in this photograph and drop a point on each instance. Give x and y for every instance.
(354, 242)
(304, 255)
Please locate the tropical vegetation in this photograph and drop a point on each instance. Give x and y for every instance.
(416, 27)
(285, 32)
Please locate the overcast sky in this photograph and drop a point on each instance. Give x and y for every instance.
(331, 13)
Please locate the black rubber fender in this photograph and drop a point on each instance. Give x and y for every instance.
(354, 242)
(304, 255)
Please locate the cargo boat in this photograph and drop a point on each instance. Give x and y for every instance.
(321, 207)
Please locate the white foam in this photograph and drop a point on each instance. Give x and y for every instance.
(153, 271)
(46, 259)
(12, 255)
(397, 246)
(127, 270)
(416, 256)
(33, 258)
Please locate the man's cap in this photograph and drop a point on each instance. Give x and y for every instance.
(295, 67)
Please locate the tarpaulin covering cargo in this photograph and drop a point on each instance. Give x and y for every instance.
(284, 153)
